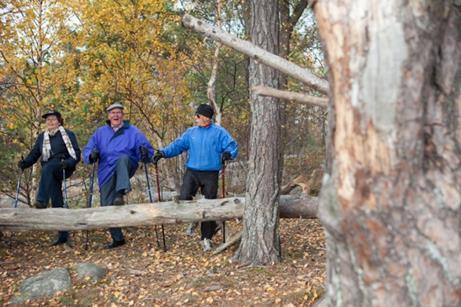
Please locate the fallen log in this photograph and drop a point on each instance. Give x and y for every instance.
(145, 214)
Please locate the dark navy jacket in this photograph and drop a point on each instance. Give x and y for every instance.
(58, 150)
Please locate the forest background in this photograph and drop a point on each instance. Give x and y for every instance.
(80, 56)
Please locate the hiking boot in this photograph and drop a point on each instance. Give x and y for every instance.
(118, 200)
(206, 244)
(190, 230)
(59, 241)
(39, 205)
(115, 244)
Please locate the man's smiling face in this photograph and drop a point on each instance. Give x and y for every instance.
(116, 117)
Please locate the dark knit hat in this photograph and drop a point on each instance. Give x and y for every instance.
(205, 110)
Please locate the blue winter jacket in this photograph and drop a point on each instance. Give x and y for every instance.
(126, 140)
(204, 145)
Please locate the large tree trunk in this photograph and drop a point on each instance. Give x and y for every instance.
(260, 241)
(391, 204)
(145, 214)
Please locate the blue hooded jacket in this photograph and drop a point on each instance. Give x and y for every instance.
(205, 146)
(126, 140)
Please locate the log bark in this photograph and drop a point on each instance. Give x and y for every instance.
(257, 53)
(391, 199)
(287, 95)
(144, 214)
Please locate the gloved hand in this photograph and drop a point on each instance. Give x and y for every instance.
(144, 154)
(158, 155)
(66, 164)
(225, 157)
(22, 164)
(94, 156)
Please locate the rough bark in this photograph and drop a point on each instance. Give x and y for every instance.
(145, 214)
(257, 53)
(391, 204)
(260, 241)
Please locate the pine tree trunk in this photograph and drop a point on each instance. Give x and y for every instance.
(391, 204)
(260, 241)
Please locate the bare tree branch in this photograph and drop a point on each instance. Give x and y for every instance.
(299, 73)
(287, 95)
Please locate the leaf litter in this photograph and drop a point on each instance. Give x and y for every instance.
(141, 274)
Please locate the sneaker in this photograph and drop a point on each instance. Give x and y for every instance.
(206, 244)
(190, 230)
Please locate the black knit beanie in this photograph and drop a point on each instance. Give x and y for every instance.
(205, 110)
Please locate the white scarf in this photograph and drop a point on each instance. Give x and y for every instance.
(46, 148)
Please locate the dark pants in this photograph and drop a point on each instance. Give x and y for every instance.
(119, 183)
(50, 186)
(207, 181)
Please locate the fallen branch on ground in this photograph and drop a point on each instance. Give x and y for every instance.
(232, 240)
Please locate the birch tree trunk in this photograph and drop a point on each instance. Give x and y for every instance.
(391, 202)
(211, 87)
(260, 241)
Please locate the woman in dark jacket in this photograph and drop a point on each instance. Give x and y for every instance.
(58, 149)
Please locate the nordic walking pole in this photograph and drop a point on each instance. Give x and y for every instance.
(223, 179)
(89, 202)
(151, 200)
(18, 186)
(66, 205)
(159, 199)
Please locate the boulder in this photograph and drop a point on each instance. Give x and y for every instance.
(44, 284)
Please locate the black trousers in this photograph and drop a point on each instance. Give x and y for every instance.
(207, 181)
(50, 187)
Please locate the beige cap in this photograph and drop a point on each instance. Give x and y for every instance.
(116, 105)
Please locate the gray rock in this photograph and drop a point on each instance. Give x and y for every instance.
(91, 270)
(44, 284)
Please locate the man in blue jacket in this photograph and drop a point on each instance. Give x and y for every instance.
(119, 147)
(208, 147)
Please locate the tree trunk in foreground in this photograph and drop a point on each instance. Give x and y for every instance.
(260, 240)
(145, 214)
(391, 204)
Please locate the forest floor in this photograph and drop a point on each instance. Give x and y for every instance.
(139, 273)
